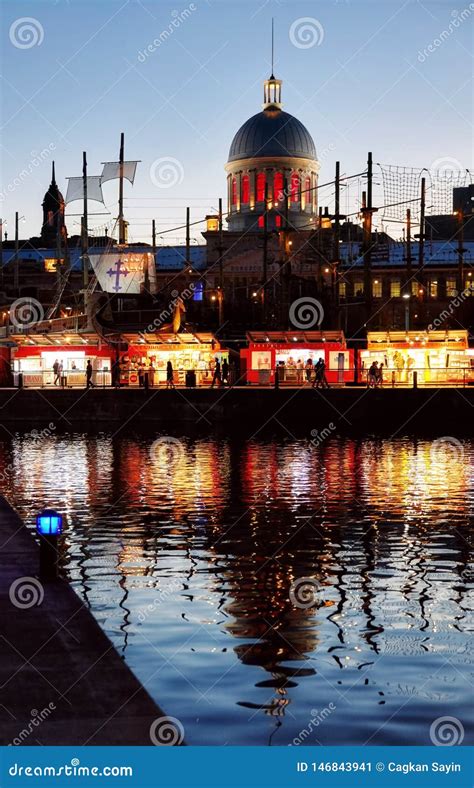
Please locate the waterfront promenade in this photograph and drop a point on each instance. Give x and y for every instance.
(445, 411)
(62, 682)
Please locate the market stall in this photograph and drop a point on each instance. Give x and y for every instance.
(290, 352)
(438, 357)
(34, 358)
(188, 352)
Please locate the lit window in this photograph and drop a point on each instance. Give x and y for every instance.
(295, 187)
(434, 288)
(278, 187)
(358, 287)
(260, 187)
(277, 221)
(261, 221)
(245, 189)
(451, 289)
(50, 264)
(414, 287)
(395, 288)
(234, 191)
(377, 288)
(469, 286)
(342, 289)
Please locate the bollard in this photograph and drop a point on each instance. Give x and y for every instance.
(415, 379)
(49, 526)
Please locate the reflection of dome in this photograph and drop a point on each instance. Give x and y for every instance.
(272, 133)
(272, 170)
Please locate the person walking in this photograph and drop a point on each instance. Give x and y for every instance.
(216, 378)
(151, 374)
(299, 371)
(141, 374)
(309, 370)
(56, 372)
(372, 375)
(169, 375)
(225, 372)
(318, 372)
(379, 379)
(89, 371)
(324, 380)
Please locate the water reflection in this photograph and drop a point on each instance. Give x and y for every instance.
(187, 558)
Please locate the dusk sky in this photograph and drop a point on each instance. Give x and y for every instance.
(365, 79)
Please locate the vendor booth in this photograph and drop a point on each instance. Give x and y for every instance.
(438, 357)
(290, 352)
(188, 353)
(34, 358)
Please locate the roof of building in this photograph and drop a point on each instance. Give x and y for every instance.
(272, 133)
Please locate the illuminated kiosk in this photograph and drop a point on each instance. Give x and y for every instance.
(186, 351)
(439, 357)
(34, 357)
(288, 349)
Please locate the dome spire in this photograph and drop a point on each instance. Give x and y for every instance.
(272, 86)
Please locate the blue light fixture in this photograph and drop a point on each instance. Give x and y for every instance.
(49, 523)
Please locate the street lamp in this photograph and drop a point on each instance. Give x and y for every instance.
(49, 526)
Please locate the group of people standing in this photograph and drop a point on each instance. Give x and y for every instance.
(375, 375)
(313, 374)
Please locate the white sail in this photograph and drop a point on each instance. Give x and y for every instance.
(75, 189)
(112, 170)
(125, 273)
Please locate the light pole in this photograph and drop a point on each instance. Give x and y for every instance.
(406, 296)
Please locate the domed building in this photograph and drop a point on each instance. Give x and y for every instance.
(272, 157)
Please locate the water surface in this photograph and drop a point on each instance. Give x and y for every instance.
(190, 556)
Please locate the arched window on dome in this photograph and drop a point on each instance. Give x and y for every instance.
(295, 187)
(306, 196)
(234, 191)
(261, 186)
(245, 189)
(278, 187)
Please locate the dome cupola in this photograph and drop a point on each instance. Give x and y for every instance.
(272, 157)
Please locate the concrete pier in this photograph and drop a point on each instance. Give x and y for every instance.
(444, 411)
(62, 682)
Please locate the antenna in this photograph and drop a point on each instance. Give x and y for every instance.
(273, 47)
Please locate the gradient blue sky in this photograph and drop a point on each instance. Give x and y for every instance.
(362, 87)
